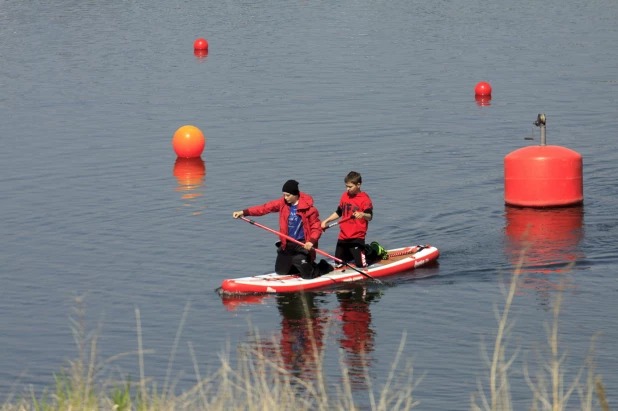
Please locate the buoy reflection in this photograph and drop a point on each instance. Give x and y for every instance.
(190, 173)
(549, 239)
(200, 55)
(482, 100)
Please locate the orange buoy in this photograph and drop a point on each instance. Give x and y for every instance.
(482, 89)
(543, 176)
(188, 142)
(200, 44)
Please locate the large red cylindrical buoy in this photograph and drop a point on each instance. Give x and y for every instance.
(543, 176)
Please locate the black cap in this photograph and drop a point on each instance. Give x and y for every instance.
(291, 186)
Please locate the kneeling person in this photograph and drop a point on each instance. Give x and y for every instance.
(298, 218)
(356, 208)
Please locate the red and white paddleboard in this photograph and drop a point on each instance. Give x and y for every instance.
(399, 260)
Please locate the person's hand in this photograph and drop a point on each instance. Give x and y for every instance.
(237, 214)
(359, 214)
(308, 245)
(323, 225)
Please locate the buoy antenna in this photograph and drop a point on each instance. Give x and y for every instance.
(540, 122)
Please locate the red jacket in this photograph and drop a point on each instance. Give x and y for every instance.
(308, 213)
(357, 227)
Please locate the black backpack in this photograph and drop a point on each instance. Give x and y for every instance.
(375, 251)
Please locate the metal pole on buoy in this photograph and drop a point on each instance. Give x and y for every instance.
(540, 122)
(543, 176)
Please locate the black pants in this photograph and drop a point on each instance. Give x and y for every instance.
(295, 259)
(354, 249)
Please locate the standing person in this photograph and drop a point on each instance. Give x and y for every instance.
(356, 208)
(298, 218)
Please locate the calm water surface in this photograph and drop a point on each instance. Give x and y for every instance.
(94, 202)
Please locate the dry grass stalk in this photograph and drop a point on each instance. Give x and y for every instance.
(499, 385)
(550, 392)
(600, 389)
(258, 381)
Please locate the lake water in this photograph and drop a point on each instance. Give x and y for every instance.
(95, 205)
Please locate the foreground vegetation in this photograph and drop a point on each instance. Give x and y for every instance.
(259, 380)
(551, 387)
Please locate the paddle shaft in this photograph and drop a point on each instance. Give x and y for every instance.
(339, 222)
(292, 239)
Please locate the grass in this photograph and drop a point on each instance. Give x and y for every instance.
(550, 386)
(259, 380)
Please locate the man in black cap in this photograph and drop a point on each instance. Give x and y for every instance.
(299, 219)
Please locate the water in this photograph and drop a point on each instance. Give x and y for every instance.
(94, 203)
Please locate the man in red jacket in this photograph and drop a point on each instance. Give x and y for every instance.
(298, 218)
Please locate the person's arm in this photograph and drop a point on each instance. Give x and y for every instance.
(367, 214)
(270, 207)
(314, 229)
(330, 218)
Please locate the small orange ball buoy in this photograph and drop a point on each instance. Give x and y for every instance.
(188, 142)
(482, 89)
(200, 44)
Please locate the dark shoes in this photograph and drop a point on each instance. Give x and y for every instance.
(323, 267)
(319, 269)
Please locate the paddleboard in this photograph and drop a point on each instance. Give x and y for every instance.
(399, 260)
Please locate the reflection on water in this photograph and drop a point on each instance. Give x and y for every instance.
(358, 335)
(233, 302)
(200, 55)
(305, 321)
(550, 239)
(482, 101)
(302, 332)
(190, 173)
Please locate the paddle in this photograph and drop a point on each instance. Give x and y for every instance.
(338, 222)
(292, 239)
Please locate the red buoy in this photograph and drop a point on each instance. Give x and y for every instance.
(200, 44)
(482, 89)
(543, 176)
